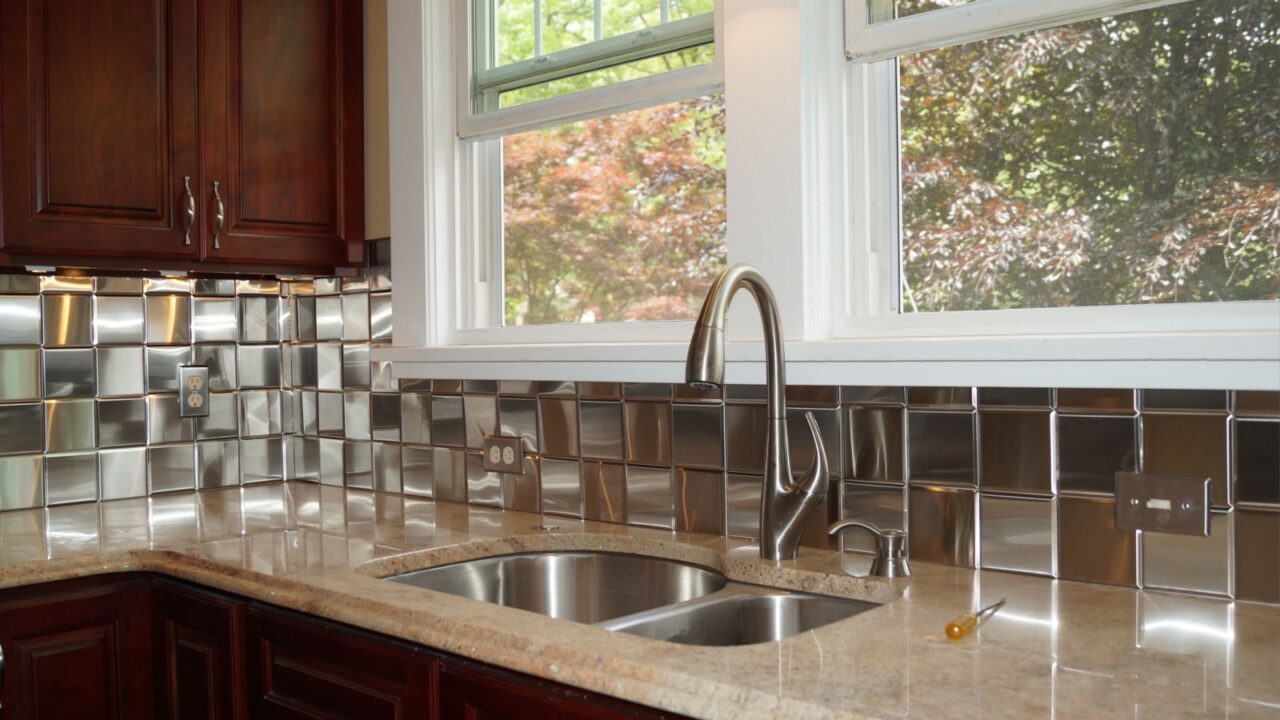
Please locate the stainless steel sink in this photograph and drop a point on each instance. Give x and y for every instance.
(586, 587)
(740, 615)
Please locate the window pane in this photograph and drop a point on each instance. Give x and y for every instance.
(609, 76)
(615, 219)
(882, 10)
(1118, 161)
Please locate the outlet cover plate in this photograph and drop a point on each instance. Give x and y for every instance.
(503, 454)
(1162, 503)
(193, 391)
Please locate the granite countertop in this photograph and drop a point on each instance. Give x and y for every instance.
(1058, 648)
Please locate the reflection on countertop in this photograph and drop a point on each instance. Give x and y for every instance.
(1058, 648)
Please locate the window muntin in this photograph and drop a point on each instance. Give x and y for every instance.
(1123, 160)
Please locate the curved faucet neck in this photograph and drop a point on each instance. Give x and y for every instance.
(715, 312)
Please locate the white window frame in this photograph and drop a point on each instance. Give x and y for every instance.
(808, 162)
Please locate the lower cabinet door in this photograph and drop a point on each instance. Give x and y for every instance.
(199, 669)
(302, 668)
(469, 694)
(82, 654)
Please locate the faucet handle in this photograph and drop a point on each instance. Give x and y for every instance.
(816, 481)
(891, 556)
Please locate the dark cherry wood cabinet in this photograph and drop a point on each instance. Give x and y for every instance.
(182, 134)
(197, 656)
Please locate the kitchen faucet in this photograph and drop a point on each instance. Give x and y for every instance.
(786, 503)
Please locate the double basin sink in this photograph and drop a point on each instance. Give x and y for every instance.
(640, 595)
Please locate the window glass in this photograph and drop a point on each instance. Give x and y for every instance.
(1133, 159)
(619, 218)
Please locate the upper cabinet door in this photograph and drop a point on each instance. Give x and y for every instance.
(99, 111)
(283, 135)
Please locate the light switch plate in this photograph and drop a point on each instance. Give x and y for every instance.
(1162, 503)
(193, 391)
(503, 454)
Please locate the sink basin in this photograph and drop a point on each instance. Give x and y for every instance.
(583, 586)
(743, 616)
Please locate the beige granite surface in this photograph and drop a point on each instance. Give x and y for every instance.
(1058, 649)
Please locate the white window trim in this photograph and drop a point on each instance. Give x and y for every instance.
(786, 87)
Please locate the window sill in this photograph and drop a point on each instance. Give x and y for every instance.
(1235, 361)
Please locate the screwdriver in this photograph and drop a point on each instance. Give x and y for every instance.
(961, 626)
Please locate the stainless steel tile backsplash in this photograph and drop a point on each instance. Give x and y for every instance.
(1015, 479)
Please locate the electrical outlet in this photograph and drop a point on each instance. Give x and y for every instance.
(503, 454)
(193, 391)
(1162, 503)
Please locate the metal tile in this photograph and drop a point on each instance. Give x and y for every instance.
(213, 286)
(881, 505)
(358, 465)
(355, 366)
(180, 285)
(1018, 534)
(222, 420)
(943, 525)
(518, 417)
(305, 370)
(118, 285)
(1017, 453)
(1257, 556)
(446, 387)
(700, 501)
(258, 366)
(1187, 562)
(355, 317)
(746, 430)
(68, 373)
(68, 321)
(517, 388)
(121, 372)
(601, 430)
(21, 429)
(19, 320)
(523, 492)
(380, 317)
(70, 478)
(379, 275)
(217, 464)
(355, 285)
(306, 458)
(304, 312)
(66, 283)
(355, 414)
(1257, 403)
(69, 425)
(1212, 401)
(123, 472)
(221, 361)
(1096, 401)
(259, 319)
(875, 444)
(257, 287)
(290, 411)
(213, 320)
(1015, 397)
(288, 330)
(482, 418)
(329, 413)
(261, 460)
(259, 413)
(556, 388)
(813, 396)
(604, 492)
(647, 433)
(650, 498)
(122, 422)
(561, 487)
(446, 421)
(416, 471)
(697, 434)
(596, 390)
(874, 395)
(1090, 452)
(449, 475)
(329, 318)
(951, 398)
(331, 461)
(171, 468)
(1193, 445)
(19, 284)
(742, 505)
(940, 448)
(415, 418)
(646, 391)
(164, 423)
(328, 285)
(23, 485)
(558, 427)
(1256, 444)
(381, 378)
(802, 448)
(386, 467)
(415, 385)
(310, 412)
(168, 319)
(1090, 546)
(684, 393)
(328, 366)
(483, 487)
(162, 367)
(384, 416)
(19, 374)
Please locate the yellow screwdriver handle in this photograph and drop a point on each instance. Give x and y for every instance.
(961, 626)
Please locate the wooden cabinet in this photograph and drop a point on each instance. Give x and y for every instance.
(476, 692)
(198, 663)
(76, 651)
(210, 134)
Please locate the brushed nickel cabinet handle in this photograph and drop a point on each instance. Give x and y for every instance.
(219, 215)
(189, 209)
